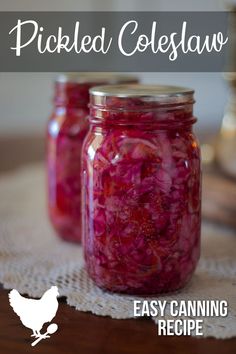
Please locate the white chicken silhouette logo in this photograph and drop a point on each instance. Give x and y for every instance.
(34, 313)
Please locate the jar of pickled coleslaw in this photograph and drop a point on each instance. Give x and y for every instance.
(141, 189)
(66, 131)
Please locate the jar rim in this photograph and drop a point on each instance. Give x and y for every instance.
(146, 93)
(96, 78)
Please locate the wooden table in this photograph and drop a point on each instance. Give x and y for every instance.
(84, 333)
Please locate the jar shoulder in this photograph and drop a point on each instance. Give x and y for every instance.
(73, 122)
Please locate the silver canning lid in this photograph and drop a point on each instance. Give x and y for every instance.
(83, 78)
(146, 93)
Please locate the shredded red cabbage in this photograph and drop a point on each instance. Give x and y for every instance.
(66, 133)
(141, 210)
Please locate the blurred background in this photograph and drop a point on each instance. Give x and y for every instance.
(25, 98)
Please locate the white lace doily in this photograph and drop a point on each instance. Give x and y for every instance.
(32, 259)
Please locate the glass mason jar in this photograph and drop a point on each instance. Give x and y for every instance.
(141, 189)
(66, 131)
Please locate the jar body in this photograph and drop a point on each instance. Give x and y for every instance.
(141, 208)
(66, 131)
(67, 128)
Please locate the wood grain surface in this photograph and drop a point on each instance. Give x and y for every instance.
(84, 333)
(89, 334)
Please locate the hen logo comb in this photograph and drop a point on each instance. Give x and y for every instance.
(35, 313)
